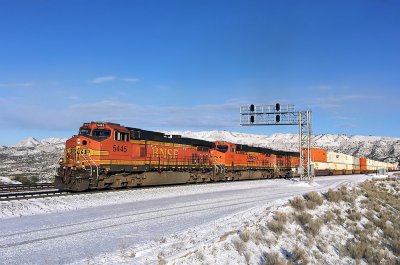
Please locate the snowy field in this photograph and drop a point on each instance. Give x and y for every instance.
(140, 226)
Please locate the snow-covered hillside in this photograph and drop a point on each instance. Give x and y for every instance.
(31, 158)
(39, 158)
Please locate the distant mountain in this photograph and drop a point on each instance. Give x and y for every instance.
(29, 142)
(31, 158)
(39, 158)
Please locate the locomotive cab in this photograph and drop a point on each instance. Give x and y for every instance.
(81, 165)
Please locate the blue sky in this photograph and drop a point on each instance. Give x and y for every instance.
(190, 65)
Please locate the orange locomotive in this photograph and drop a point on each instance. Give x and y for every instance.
(108, 155)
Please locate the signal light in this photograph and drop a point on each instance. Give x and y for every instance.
(278, 118)
(278, 107)
(252, 119)
(252, 107)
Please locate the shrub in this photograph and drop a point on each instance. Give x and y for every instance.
(272, 258)
(315, 197)
(314, 226)
(280, 217)
(23, 179)
(298, 203)
(276, 226)
(311, 205)
(395, 245)
(328, 217)
(244, 235)
(298, 256)
(357, 249)
(354, 215)
(333, 196)
(304, 218)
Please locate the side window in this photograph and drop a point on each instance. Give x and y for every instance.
(120, 136)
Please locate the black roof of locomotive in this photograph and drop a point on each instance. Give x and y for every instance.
(140, 134)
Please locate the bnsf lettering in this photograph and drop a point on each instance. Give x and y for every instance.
(120, 148)
(251, 158)
(164, 152)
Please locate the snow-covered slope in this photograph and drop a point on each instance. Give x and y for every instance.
(32, 157)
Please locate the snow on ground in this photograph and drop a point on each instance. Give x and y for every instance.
(144, 226)
(7, 180)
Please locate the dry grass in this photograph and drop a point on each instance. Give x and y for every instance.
(328, 217)
(357, 249)
(298, 256)
(298, 203)
(239, 245)
(303, 218)
(314, 197)
(245, 235)
(271, 258)
(354, 215)
(276, 226)
(333, 196)
(280, 217)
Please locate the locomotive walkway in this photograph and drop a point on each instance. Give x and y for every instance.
(75, 236)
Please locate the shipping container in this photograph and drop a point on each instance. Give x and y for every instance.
(318, 155)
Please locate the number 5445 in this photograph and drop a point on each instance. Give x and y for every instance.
(120, 148)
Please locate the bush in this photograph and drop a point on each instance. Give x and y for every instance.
(276, 226)
(298, 203)
(354, 215)
(280, 217)
(272, 258)
(298, 256)
(314, 226)
(244, 235)
(357, 249)
(395, 245)
(304, 218)
(23, 179)
(328, 217)
(311, 205)
(315, 197)
(333, 196)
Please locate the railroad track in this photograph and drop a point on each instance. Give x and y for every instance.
(25, 187)
(10, 196)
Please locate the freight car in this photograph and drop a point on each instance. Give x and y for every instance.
(333, 163)
(108, 155)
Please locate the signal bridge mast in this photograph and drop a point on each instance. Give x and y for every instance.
(284, 115)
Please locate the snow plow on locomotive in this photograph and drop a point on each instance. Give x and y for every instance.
(108, 155)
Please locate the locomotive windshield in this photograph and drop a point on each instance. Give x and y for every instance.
(101, 133)
(84, 131)
(222, 148)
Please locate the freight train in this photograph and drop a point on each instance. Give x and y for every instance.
(109, 155)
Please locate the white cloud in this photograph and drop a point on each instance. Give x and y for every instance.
(26, 84)
(129, 79)
(102, 79)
